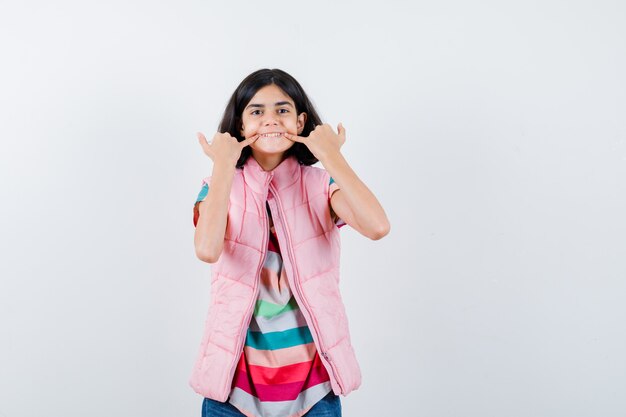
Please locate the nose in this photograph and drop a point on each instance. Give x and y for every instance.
(270, 119)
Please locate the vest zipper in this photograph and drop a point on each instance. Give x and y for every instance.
(242, 337)
(302, 301)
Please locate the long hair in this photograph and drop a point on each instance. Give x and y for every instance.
(231, 120)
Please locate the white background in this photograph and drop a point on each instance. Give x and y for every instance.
(493, 134)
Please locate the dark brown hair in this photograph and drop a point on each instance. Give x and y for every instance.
(231, 120)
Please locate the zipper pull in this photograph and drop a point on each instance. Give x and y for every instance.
(325, 355)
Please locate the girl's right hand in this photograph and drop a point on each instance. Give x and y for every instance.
(224, 147)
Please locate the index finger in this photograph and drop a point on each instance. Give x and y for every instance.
(248, 141)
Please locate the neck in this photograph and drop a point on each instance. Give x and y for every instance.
(268, 162)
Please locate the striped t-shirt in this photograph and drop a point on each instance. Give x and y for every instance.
(279, 372)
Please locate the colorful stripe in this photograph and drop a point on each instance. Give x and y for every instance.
(251, 406)
(282, 357)
(203, 193)
(279, 340)
(334, 187)
(268, 309)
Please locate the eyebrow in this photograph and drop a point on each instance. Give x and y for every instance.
(278, 103)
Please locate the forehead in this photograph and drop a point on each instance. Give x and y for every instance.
(270, 94)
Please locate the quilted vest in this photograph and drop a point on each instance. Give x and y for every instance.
(309, 242)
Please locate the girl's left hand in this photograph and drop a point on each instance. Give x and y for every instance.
(322, 141)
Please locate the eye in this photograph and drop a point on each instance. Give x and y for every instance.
(254, 111)
(286, 111)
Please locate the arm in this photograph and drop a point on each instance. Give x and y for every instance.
(354, 203)
(224, 151)
(211, 227)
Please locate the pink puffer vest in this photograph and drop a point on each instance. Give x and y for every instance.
(310, 247)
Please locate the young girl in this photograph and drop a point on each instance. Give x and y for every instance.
(276, 340)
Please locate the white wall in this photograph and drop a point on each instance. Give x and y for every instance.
(493, 133)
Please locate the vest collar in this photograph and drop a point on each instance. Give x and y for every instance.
(285, 174)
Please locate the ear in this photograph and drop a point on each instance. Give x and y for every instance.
(301, 122)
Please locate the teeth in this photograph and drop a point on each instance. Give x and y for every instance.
(271, 135)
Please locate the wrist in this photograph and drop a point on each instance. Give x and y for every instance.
(333, 158)
(224, 167)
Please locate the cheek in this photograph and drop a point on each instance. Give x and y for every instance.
(247, 121)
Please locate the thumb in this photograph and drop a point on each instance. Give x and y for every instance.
(201, 137)
(341, 131)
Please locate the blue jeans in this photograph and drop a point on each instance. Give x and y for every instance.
(329, 406)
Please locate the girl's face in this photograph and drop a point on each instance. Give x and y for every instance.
(271, 113)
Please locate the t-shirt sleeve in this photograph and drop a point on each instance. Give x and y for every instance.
(204, 191)
(331, 189)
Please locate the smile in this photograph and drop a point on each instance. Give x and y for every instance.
(271, 135)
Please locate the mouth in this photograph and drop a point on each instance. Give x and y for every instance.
(271, 135)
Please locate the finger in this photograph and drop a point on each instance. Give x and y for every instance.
(341, 130)
(248, 141)
(203, 142)
(294, 138)
(206, 146)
